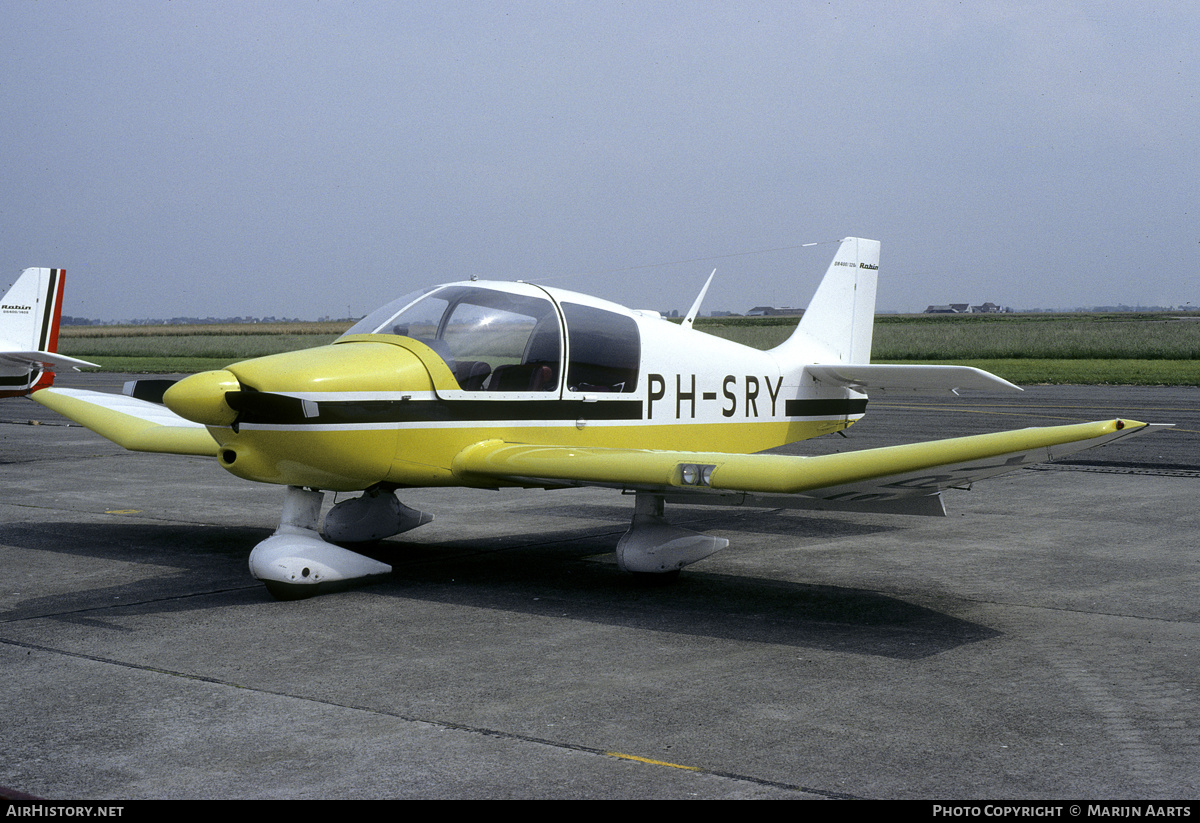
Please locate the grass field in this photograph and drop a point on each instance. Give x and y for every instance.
(1129, 349)
(1136, 349)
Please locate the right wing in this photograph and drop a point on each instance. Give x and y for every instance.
(870, 476)
(137, 425)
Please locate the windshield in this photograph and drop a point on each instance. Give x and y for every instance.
(373, 321)
(492, 340)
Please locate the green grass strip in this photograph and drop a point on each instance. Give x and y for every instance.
(159, 365)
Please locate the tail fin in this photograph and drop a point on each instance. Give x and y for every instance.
(30, 312)
(837, 325)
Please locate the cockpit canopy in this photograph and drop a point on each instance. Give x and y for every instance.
(509, 338)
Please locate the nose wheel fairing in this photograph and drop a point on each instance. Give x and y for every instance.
(296, 562)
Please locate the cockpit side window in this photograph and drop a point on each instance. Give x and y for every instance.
(492, 340)
(605, 350)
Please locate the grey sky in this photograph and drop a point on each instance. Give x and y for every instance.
(304, 159)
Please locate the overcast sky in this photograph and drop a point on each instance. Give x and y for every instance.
(307, 159)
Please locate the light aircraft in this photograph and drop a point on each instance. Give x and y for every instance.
(486, 384)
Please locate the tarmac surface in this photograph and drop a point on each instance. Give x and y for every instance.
(1041, 641)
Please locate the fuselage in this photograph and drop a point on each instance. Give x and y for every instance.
(413, 384)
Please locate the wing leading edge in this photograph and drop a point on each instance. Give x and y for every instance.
(871, 475)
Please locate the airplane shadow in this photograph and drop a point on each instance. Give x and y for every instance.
(564, 575)
(189, 562)
(575, 576)
(731, 519)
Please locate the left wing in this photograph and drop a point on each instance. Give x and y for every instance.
(871, 476)
(137, 425)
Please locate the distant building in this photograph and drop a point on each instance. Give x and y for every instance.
(771, 311)
(965, 308)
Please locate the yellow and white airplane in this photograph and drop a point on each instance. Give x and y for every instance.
(487, 384)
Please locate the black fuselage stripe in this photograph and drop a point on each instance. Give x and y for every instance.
(824, 408)
(278, 410)
(272, 409)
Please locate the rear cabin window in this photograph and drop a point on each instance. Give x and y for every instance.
(605, 350)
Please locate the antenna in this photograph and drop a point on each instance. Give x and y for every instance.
(695, 309)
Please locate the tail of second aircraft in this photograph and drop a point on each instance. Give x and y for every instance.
(837, 325)
(30, 312)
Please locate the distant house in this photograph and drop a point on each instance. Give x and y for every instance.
(949, 308)
(771, 311)
(986, 308)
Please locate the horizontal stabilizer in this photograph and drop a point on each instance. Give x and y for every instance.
(136, 425)
(46, 360)
(885, 378)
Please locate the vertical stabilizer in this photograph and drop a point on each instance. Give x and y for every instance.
(837, 325)
(29, 316)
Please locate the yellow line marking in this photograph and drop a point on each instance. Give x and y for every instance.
(123, 511)
(634, 757)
